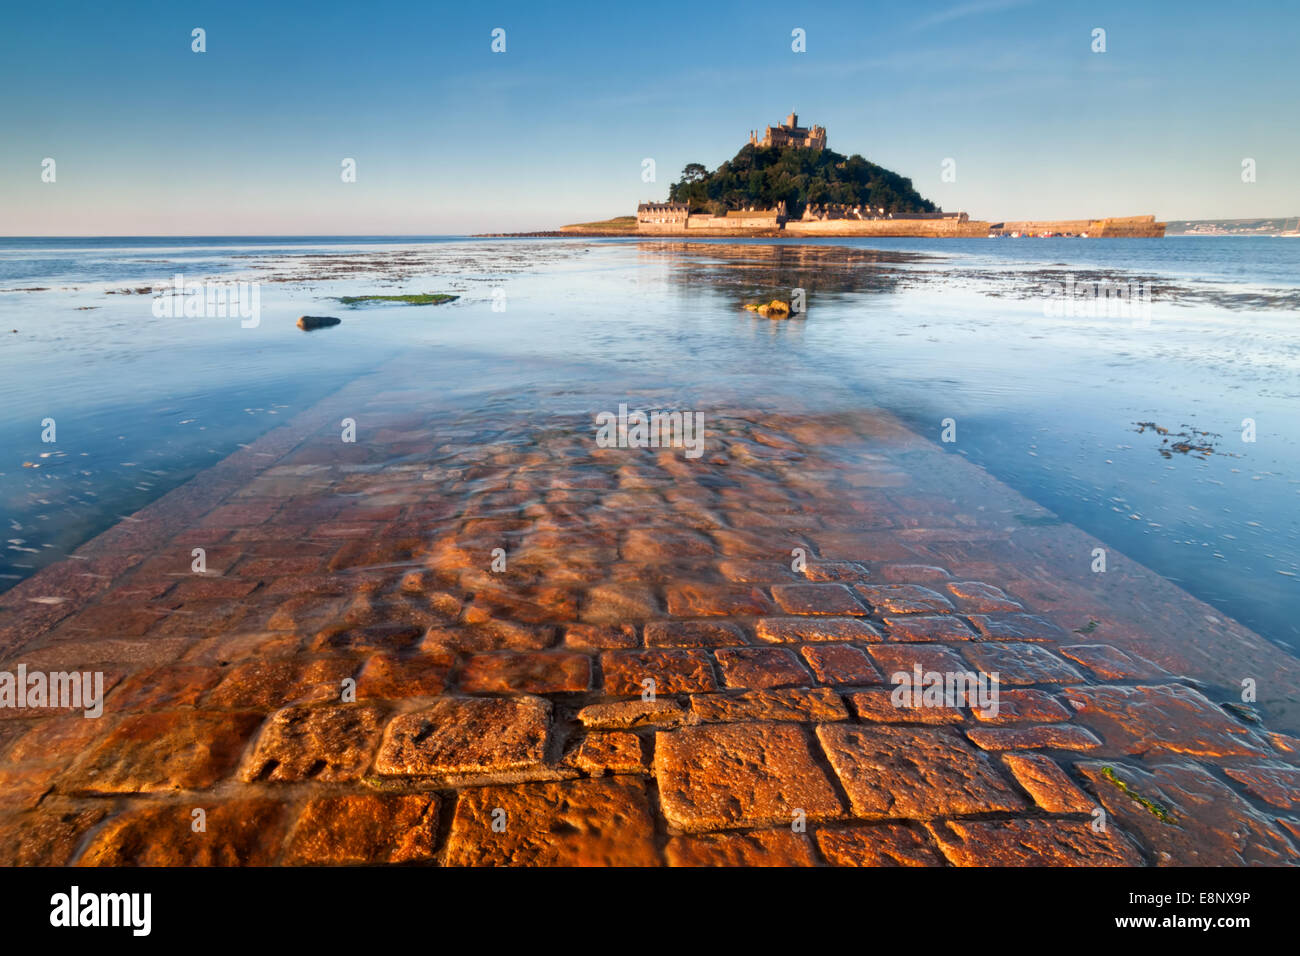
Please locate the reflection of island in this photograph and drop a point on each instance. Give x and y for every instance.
(744, 271)
(789, 183)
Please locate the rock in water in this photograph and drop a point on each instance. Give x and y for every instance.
(309, 322)
(776, 309)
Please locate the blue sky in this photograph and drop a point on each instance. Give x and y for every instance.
(248, 138)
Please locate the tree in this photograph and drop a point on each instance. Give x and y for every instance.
(694, 173)
(762, 176)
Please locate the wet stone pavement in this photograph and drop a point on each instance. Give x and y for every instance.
(683, 662)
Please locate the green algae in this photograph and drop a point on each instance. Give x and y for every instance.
(1153, 808)
(417, 298)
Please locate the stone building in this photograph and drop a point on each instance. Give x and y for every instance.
(662, 215)
(790, 133)
(818, 212)
(676, 218)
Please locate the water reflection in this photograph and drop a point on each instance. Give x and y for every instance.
(931, 331)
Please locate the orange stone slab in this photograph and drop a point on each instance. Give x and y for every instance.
(914, 773)
(1047, 783)
(470, 735)
(1162, 717)
(750, 848)
(761, 667)
(616, 751)
(795, 630)
(332, 742)
(671, 671)
(903, 598)
(724, 776)
(660, 712)
(878, 707)
(976, 596)
(1044, 736)
(272, 684)
(1110, 663)
(833, 599)
(849, 572)
(1204, 823)
(604, 822)
(520, 672)
(1023, 706)
(927, 627)
(174, 750)
(47, 835)
(841, 664)
(693, 634)
(1275, 784)
(880, 844)
(792, 703)
(1032, 843)
(364, 828)
(1020, 663)
(244, 832)
(1016, 627)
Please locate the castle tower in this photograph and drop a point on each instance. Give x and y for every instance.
(790, 133)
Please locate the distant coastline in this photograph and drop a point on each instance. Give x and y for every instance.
(1275, 226)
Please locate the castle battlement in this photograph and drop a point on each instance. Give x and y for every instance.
(790, 133)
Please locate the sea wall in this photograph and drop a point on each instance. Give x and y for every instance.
(733, 223)
(1137, 226)
(670, 228)
(1127, 226)
(947, 228)
(705, 225)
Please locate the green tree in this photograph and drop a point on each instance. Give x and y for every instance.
(762, 176)
(694, 173)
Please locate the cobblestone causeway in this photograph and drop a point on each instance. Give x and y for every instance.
(682, 662)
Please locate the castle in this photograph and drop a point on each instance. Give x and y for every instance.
(790, 133)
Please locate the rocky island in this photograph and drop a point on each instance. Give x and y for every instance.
(788, 183)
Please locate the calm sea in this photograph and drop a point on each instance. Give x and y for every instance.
(963, 330)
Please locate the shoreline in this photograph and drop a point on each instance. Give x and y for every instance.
(953, 227)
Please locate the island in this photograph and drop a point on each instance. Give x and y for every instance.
(789, 183)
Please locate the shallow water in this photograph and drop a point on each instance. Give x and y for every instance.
(931, 329)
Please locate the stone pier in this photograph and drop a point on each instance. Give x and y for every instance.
(463, 640)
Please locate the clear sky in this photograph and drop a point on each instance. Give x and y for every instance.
(248, 138)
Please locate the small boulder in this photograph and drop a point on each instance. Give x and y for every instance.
(309, 322)
(776, 309)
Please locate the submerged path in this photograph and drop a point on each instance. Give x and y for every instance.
(683, 661)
